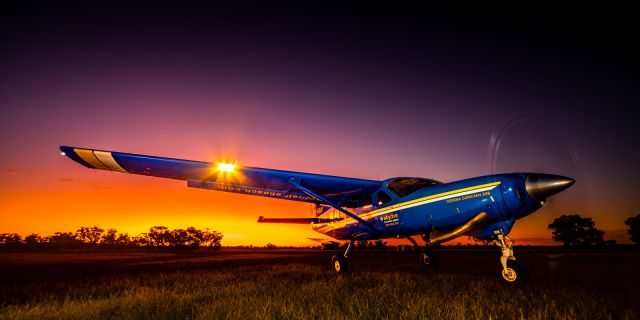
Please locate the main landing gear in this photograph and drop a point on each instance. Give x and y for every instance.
(339, 262)
(428, 257)
(512, 271)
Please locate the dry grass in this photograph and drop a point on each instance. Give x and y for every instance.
(298, 291)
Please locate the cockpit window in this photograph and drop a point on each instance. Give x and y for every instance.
(383, 198)
(406, 186)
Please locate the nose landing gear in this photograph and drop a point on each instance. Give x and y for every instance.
(512, 271)
(428, 257)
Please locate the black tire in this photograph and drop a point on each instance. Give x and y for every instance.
(339, 264)
(429, 258)
(516, 273)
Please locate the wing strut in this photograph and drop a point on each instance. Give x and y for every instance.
(296, 183)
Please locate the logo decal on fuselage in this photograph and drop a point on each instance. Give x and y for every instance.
(390, 220)
(469, 196)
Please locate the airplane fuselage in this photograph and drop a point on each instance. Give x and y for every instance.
(439, 208)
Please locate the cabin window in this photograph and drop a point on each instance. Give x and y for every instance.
(383, 197)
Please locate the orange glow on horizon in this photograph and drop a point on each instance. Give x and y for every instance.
(133, 204)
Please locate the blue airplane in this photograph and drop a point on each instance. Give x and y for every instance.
(358, 209)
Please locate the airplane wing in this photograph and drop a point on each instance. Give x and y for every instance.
(272, 183)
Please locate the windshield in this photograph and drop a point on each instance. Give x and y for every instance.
(407, 185)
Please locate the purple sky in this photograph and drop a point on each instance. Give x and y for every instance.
(369, 92)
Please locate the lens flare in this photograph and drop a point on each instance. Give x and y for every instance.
(226, 167)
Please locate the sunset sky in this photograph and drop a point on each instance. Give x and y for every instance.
(367, 91)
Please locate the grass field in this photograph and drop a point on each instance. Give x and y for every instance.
(300, 285)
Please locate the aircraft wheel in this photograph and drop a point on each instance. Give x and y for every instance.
(430, 258)
(339, 264)
(515, 272)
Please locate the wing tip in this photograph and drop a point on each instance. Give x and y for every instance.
(71, 154)
(92, 158)
(65, 149)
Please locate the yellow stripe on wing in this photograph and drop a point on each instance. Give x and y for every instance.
(90, 158)
(107, 159)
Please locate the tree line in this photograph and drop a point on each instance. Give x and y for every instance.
(570, 230)
(576, 231)
(97, 238)
(359, 244)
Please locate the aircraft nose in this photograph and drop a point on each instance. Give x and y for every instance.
(542, 186)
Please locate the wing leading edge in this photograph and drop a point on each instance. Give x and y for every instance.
(272, 183)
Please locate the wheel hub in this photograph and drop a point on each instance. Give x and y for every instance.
(509, 274)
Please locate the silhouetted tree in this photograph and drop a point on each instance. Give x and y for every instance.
(109, 238)
(96, 237)
(331, 245)
(362, 244)
(34, 241)
(212, 239)
(181, 238)
(140, 241)
(574, 230)
(10, 241)
(195, 237)
(124, 240)
(379, 244)
(634, 228)
(64, 240)
(89, 235)
(178, 238)
(158, 236)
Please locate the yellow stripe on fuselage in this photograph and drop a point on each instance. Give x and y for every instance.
(414, 203)
(403, 205)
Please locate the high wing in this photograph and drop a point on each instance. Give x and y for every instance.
(280, 184)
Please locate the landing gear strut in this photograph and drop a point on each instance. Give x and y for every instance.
(428, 257)
(339, 262)
(512, 271)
